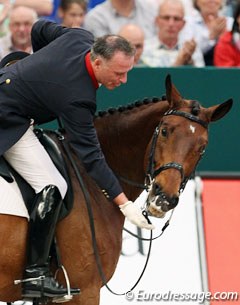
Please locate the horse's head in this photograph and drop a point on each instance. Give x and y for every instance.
(178, 143)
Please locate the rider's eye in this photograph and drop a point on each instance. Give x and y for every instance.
(164, 132)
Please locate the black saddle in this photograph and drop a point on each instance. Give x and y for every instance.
(7, 172)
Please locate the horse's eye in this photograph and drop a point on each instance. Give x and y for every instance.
(202, 150)
(164, 132)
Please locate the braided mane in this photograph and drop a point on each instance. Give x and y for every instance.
(130, 106)
(195, 106)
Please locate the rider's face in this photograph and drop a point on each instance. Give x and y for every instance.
(112, 73)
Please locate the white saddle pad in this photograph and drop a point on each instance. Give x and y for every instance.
(11, 201)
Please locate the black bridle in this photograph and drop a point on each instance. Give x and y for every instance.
(151, 171)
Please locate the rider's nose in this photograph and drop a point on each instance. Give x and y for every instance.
(123, 79)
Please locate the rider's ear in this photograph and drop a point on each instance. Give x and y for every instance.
(215, 113)
(173, 96)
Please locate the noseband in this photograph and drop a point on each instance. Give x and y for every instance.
(151, 171)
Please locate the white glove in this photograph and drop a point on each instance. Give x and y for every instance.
(134, 215)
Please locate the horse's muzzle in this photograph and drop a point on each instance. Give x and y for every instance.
(159, 203)
(165, 202)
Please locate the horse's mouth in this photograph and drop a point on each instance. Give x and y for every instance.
(154, 207)
(157, 206)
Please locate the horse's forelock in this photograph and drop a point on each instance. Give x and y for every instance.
(195, 107)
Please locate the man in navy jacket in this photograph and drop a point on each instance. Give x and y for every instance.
(59, 79)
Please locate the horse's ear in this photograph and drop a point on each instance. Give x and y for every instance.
(215, 113)
(173, 96)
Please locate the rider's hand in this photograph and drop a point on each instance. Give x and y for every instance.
(134, 215)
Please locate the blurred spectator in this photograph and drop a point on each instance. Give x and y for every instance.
(21, 20)
(5, 7)
(135, 35)
(72, 12)
(167, 48)
(43, 7)
(207, 25)
(93, 3)
(109, 16)
(227, 50)
(54, 14)
(188, 5)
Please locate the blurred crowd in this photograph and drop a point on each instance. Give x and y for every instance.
(165, 33)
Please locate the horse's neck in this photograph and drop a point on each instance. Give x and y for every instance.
(125, 135)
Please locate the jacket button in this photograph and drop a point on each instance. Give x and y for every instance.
(8, 81)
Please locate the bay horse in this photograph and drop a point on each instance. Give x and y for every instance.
(164, 138)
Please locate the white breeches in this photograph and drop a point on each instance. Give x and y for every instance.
(30, 159)
(11, 199)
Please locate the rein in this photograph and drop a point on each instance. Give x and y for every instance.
(167, 223)
(92, 226)
(151, 174)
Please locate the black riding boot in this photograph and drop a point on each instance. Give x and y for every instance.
(43, 220)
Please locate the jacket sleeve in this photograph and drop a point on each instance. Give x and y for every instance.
(44, 31)
(78, 122)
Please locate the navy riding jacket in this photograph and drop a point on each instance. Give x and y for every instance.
(55, 82)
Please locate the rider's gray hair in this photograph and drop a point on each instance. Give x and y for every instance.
(107, 45)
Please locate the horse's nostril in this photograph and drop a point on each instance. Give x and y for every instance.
(166, 203)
